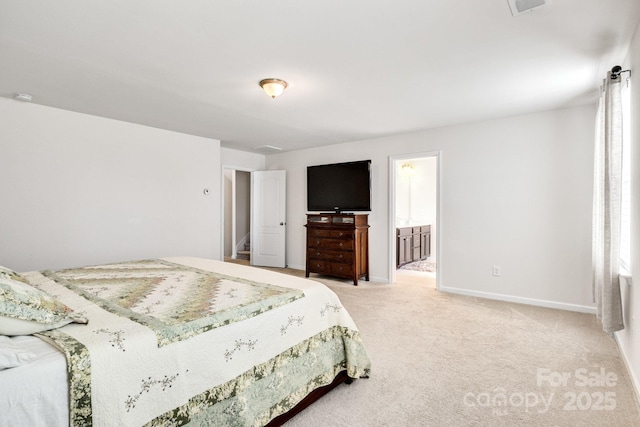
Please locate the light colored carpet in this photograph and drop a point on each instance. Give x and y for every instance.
(448, 360)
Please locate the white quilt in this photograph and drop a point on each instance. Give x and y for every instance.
(245, 372)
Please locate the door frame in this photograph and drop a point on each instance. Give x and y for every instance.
(393, 160)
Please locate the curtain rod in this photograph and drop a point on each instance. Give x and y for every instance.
(616, 71)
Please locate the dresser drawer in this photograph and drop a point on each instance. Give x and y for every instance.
(319, 232)
(339, 269)
(331, 268)
(322, 254)
(336, 244)
(319, 266)
(342, 234)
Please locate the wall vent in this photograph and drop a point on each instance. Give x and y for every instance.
(518, 7)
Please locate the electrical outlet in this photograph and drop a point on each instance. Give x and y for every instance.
(496, 270)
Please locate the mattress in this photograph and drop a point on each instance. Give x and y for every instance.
(35, 394)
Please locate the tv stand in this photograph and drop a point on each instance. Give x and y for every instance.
(338, 245)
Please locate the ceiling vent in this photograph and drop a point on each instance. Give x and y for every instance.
(518, 7)
(268, 148)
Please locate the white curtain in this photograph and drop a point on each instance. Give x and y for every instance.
(606, 206)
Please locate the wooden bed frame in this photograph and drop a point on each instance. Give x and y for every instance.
(311, 397)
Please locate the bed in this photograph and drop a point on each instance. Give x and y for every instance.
(172, 341)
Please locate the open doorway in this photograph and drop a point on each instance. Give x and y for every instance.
(414, 217)
(254, 217)
(237, 214)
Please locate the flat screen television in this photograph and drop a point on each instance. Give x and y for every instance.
(339, 187)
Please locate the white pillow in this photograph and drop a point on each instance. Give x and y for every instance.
(15, 327)
(11, 355)
(25, 310)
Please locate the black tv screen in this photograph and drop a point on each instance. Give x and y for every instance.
(339, 187)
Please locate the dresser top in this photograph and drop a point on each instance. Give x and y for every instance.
(333, 219)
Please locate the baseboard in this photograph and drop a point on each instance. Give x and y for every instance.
(521, 300)
(632, 374)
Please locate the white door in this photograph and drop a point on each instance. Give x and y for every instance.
(268, 218)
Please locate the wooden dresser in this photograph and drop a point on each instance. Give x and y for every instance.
(338, 245)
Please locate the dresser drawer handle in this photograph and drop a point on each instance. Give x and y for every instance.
(340, 244)
(340, 256)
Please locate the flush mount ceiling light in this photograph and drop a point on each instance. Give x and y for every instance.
(273, 87)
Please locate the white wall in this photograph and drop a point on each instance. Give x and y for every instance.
(515, 192)
(79, 189)
(242, 160)
(629, 337)
(416, 192)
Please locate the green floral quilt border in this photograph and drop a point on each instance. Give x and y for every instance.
(346, 346)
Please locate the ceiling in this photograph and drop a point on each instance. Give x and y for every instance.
(356, 69)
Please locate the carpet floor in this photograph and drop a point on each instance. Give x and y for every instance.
(441, 359)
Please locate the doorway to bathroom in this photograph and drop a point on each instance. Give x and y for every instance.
(414, 217)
